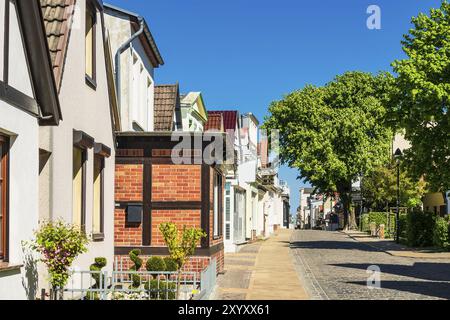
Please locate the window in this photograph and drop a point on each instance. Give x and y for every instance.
(217, 205)
(97, 216)
(228, 211)
(3, 196)
(79, 187)
(90, 43)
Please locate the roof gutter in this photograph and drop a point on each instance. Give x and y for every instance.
(121, 50)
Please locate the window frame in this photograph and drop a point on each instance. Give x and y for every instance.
(84, 160)
(4, 209)
(92, 11)
(217, 207)
(99, 235)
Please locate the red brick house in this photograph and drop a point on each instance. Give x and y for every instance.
(152, 189)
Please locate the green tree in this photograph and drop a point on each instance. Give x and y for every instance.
(334, 133)
(380, 188)
(181, 245)
(423, 97)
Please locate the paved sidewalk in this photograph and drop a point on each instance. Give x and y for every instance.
(264, 270)
(394, 249)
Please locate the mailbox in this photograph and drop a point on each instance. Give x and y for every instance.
(134, 213)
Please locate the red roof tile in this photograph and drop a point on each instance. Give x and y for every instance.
(229, 118)
(214, 123)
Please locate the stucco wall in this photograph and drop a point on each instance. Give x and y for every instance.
(23, 192)
(120, 30)
(87, 110)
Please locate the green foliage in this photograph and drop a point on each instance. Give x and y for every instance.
(155, 264)
(420, 228)
(162, 290)
(98, 265)
(380, 188)
(334, 133)
(421, 103)
(134, 257)
(171, 265)
(181, 246)
(379, 218)
(441, 233)
(59, 245)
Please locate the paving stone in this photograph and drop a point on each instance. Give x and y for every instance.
(334, 266)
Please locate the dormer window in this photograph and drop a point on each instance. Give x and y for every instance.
(90, 44)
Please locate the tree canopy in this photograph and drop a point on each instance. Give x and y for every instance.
(334, 133)
(423, 96)
(380, 188)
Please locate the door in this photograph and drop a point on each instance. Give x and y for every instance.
(239, 217)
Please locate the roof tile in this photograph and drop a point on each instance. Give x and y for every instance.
(167, 98)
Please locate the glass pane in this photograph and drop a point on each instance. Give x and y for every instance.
(89, 44)
(97, 195)
(77, 185)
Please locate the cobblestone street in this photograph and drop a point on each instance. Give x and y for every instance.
(331, 265)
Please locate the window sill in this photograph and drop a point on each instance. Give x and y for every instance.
(5, 266)
(98, 237)
(91, 82)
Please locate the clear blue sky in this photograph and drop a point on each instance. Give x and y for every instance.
(244, 54)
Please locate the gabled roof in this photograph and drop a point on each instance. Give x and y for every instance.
(32, 29)
(146, 38)
(58, 16)
(229, 118)
(167, 98)
(195, 97)
(214, 123)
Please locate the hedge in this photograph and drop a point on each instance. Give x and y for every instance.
(379, 218)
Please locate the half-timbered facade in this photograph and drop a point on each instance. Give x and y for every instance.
(152, 188)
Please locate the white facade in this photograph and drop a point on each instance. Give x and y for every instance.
(88, 110)
(193, 112)
(137, 86)
(19, 136)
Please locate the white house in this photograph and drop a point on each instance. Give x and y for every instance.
(28, 100)
(136, 56)
(76, 181)
(193, 112)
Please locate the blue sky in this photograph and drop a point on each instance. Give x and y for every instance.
(244, 54)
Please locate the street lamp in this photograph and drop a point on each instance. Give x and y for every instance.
(398, 154)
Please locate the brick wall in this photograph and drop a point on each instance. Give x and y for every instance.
(176, 183)
(188, 218)
(124, 234)
(128, 182)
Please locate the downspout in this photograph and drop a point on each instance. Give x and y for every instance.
(122, 48)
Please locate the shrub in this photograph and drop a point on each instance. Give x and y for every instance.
(420, 229)
(441, 233)
(171, 265)
(59, 244)
(135, 278)
(162, 290)
(155, 264)
(98, 265)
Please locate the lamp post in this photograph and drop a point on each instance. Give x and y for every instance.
(397, 156)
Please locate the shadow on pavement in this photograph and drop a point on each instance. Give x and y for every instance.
(420, 270)
(333, 245)
(431, 289)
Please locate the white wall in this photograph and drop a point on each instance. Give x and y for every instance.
(23, 193)
(87, 110)
(132, 109)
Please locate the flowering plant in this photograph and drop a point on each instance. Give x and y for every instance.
(59, 244)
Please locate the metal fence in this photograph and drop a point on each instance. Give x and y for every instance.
(140, 285)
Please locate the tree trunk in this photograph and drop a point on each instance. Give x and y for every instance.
(344, 190)
(352, 220)
(346, 203)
